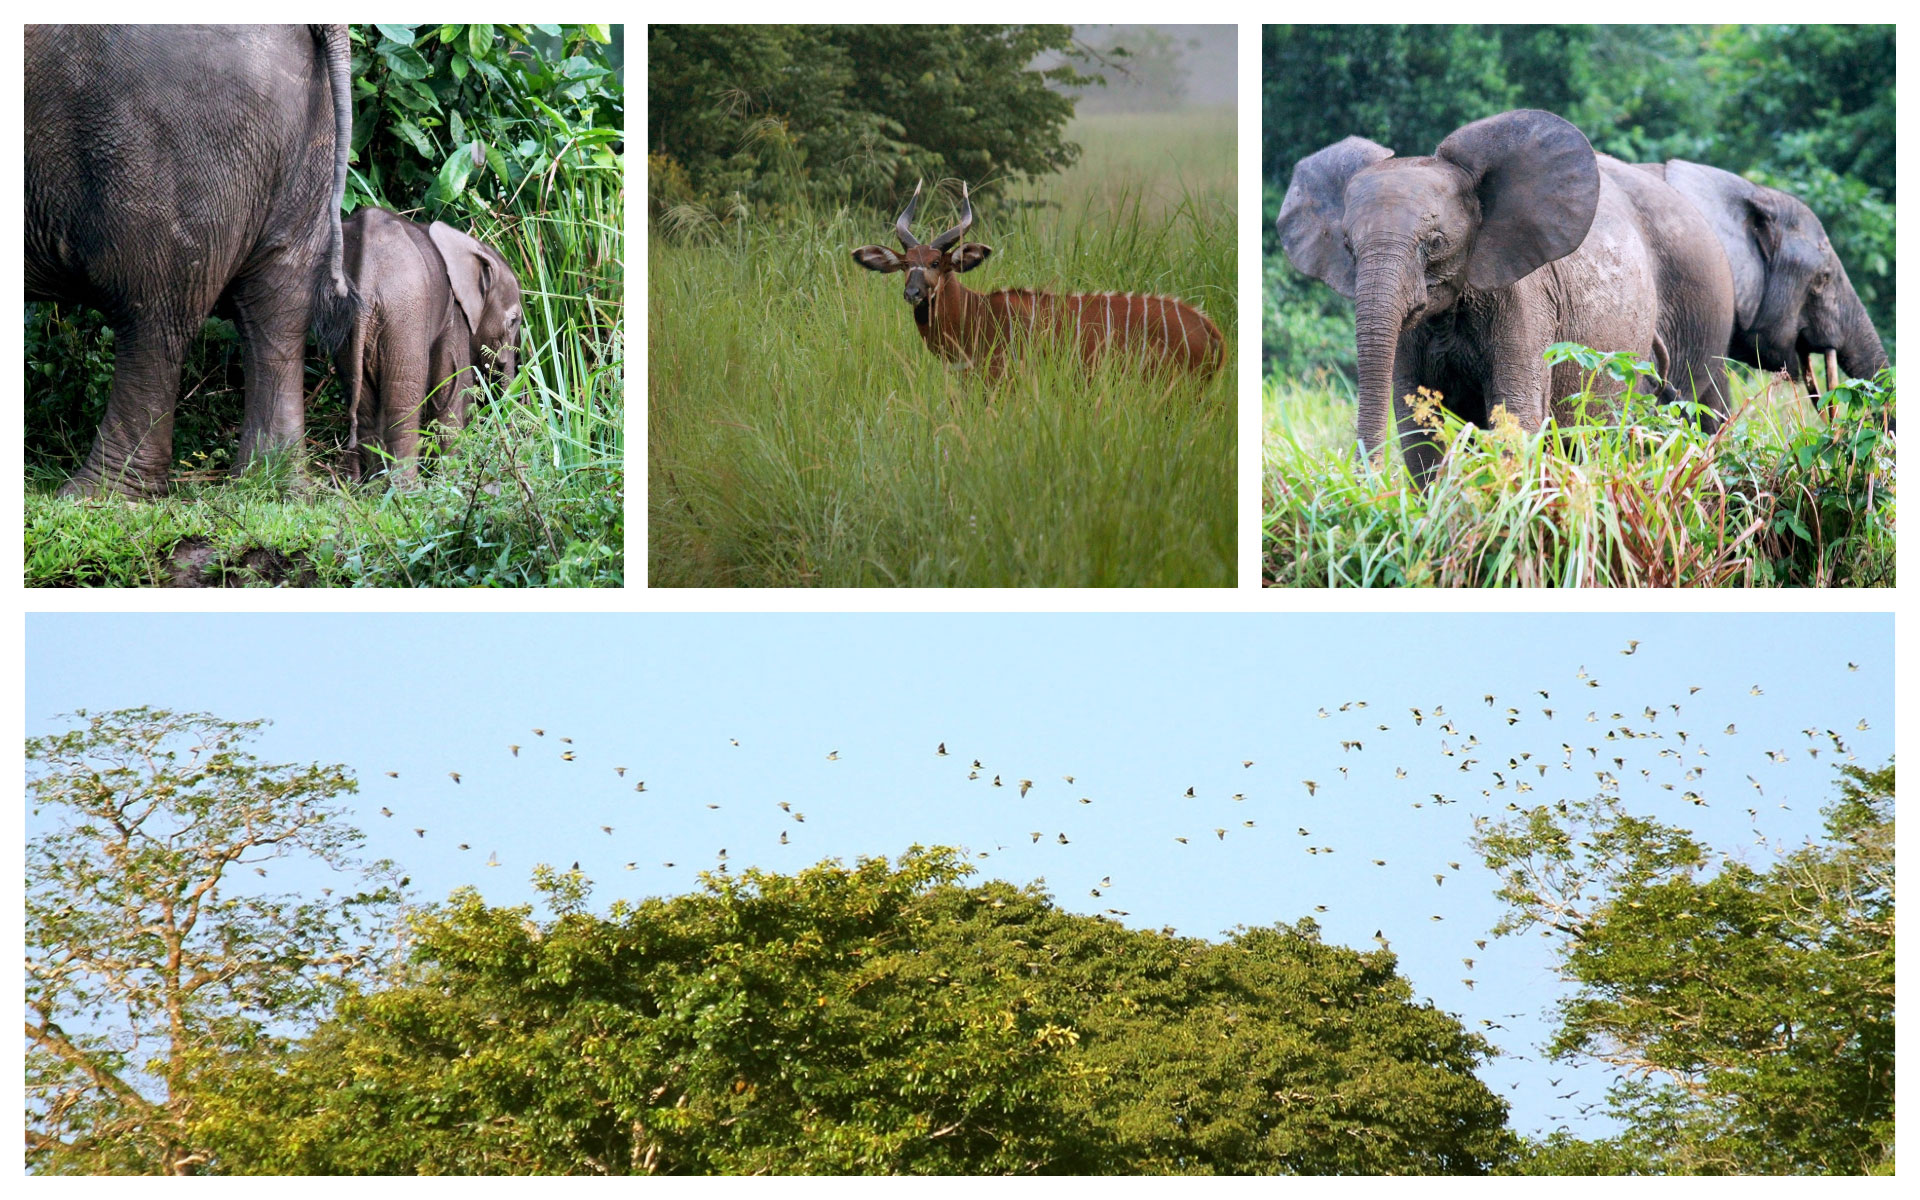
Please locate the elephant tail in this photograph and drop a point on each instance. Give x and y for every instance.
(336, 302)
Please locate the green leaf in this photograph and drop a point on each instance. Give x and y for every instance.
(411, 134)
(453, 176)
(398, 34)
(405, 62)
(479, 40)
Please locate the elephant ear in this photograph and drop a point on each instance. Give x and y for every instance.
(1770, 217)
(1313, 216)
(1538, 184)
(469, 269)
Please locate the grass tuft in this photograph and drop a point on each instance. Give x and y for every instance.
(1777, 497)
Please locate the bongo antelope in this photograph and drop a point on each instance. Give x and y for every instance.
(977, 328)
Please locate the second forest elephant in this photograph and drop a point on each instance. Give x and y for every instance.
(1465, 265)
(1793, 302)
(434, 304)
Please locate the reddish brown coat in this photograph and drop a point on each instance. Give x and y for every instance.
(979, 327)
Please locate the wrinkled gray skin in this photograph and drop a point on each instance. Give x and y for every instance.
(1466, 265)
(1792, 299)
(434, 303)
(177, 171)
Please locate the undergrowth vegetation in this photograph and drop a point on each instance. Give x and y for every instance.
(510, 131)
(1779, 496)
(800, 433)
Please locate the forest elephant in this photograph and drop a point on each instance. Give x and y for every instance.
(1464, 266)
(173, 171)
(434, 304)
(1792, 300)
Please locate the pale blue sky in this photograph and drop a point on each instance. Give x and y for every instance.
(1138, 708)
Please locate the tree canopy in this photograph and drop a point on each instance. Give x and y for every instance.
(159, 954)
(786, 116)
(874, 1018)
(1805, 108)
(1747, 1011)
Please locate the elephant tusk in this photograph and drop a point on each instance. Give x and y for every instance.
(1833, 370)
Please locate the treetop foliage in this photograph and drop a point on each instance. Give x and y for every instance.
(1745, 1008)
(783, 117)
(874, 1018)
(154, 953)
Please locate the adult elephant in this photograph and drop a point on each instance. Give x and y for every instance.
(1464, 266)
(173, 171)
(1792, 300)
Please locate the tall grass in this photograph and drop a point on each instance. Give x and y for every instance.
(1777, 497)
(801, 434)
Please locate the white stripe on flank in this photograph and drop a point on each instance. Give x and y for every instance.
(1109, 340)
(1185, 352)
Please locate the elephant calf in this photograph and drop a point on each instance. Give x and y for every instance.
(434, 304)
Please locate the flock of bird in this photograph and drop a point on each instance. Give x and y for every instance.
(1485, 755)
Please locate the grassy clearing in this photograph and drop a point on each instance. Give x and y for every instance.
(1779, 497)
(800, 433)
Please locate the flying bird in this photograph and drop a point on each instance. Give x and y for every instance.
(515, 748)
(393, 774)
(454, 775)
(539, 733)
(1026, 785)
(834, 757)
(1631, 647)
(941, 750)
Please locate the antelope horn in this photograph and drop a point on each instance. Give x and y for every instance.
(900, 229)
(958, 231)
(1833, 370)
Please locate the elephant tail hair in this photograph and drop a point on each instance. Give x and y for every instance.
(334, 314)
(336, 303)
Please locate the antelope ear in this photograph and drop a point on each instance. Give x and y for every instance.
(878, 258)
(968, 255)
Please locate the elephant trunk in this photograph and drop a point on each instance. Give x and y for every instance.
(1382, 302)
(1861, 354)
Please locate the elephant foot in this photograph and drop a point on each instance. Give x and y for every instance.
(92, 485)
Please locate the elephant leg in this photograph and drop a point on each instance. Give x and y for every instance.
(271, 312)
(406, 374)
(448, 405)
(134, 448)
(1519, 382)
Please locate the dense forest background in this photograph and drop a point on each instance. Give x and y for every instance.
(1808, 109)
